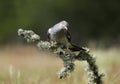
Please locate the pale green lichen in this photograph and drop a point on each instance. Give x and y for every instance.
(29, 35)
(94, 77)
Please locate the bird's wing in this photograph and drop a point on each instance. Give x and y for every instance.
(68, 35)
(72, 46)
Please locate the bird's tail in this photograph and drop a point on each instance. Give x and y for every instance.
(74, 47)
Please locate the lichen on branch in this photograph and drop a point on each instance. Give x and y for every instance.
(94, 77)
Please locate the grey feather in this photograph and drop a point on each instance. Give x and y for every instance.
(61, 34)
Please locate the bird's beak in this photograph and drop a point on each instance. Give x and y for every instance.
(65, 27)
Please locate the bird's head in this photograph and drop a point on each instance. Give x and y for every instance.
(64, 24)
(61, 26)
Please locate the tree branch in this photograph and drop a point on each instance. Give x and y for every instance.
(68, 58)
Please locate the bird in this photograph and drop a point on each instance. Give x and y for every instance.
(60, 34)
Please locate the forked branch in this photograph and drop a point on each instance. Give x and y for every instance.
(94, 77)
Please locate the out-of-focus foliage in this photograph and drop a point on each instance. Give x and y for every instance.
(88, 19)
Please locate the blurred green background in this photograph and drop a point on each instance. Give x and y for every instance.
(89, 20)
(92, 23)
